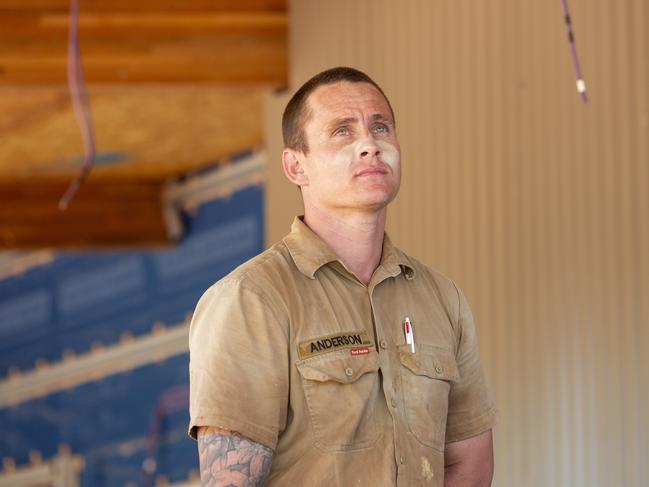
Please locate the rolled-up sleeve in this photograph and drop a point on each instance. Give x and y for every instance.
(239, 377)
(471, 409)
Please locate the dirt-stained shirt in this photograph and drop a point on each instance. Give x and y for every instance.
(293, 351)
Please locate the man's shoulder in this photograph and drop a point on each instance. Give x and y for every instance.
(422, 268)
(432, 277)
(252, 291)
(268, 268)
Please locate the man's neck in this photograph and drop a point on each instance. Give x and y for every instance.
(356, 238)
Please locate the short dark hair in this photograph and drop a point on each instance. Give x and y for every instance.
(296, 111)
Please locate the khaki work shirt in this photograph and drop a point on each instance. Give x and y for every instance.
(293, 351)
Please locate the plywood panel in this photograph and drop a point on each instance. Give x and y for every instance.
(149, 132)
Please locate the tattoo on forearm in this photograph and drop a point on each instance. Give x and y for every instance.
(227, 459)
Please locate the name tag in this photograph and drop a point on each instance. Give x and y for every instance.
(357, 341)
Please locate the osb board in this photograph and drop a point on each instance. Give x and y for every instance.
(143, 132)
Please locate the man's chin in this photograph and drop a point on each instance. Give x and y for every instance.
(377, 200)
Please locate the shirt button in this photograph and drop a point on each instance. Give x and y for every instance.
(439, 369)
(349, 371)
(393, 401)
(383, 344)
(402, 459)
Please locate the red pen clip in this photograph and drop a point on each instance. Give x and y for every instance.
(410, 337)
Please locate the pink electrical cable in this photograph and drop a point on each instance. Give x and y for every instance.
(79, 97)
(581, 84)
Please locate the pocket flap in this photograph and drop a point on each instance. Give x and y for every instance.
(338, 366)
(432, 362)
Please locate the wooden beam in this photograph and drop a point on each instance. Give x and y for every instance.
(147, 43)
(147, 5)
(103, 214)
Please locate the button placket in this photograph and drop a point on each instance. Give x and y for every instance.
(391, 380)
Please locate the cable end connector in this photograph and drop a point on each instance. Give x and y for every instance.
(581, 89)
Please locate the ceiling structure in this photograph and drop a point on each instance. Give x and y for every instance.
(174, 87)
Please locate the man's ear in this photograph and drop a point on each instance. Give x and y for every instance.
(292, 162)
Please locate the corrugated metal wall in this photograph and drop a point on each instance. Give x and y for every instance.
(536, 204)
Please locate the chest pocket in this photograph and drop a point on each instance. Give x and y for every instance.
(426, 381)
(342, 392)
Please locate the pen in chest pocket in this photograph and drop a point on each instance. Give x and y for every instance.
(410, 336)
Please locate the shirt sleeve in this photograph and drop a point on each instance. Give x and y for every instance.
(238, 367)
(471, 409)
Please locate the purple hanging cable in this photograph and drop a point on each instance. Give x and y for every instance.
(171, 401)
(79, 98)
(581, 84)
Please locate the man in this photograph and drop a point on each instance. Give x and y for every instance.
(333, 358)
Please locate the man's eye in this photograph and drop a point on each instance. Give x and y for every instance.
(381, 128)
(342, 131)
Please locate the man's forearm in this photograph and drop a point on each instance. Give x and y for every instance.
(227, 458)
(463, 475)
(470, 462)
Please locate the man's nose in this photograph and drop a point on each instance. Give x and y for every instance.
(368, 148)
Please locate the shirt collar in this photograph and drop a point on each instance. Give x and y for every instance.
(310, 252)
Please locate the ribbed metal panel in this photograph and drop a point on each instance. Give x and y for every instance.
(537, 205)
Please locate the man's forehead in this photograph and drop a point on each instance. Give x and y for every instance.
(344, 98)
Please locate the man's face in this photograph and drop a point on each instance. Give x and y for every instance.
(353, 161)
